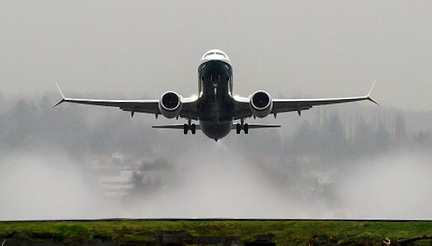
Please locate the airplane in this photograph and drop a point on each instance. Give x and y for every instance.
(215, 108)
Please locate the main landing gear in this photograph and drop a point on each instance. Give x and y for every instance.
(189, 126)
(242, 126)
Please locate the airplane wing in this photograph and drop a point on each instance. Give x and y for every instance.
(141, 106)
(289, 105)
(135, 106)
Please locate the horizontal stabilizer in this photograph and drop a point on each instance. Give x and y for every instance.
(250, 125)
(258, 125)
(174, 126)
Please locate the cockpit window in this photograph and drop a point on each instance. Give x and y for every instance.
(215, 53)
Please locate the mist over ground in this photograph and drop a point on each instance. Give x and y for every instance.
(77, 162)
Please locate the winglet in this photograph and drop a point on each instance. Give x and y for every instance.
(62, 95)
(369, 93)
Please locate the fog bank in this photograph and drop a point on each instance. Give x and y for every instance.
(76, 162)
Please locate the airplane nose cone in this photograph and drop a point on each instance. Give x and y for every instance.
(215, 79)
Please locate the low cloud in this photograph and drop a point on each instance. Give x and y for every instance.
(340, 163)
(40, 186)
(394, 186)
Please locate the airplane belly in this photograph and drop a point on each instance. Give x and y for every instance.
(215, 131)
(215, 106)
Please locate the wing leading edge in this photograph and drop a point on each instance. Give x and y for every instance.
(134, 106)
(298, 105)
(289, 105)
(141, 106)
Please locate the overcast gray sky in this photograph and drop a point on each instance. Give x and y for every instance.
(140, 49)
(136, 49)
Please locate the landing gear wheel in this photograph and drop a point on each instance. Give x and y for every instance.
(189, 126)
(238, 128)
(193, 129)
(246, 128)
(185, 128)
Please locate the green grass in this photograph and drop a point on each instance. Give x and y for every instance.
(285, 232)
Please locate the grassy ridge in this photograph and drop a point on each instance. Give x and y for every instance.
(285, 232)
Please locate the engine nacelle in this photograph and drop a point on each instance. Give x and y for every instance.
(260, 104)
(170, 104)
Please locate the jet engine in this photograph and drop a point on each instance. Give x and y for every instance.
(170, 104)
(260, 104)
